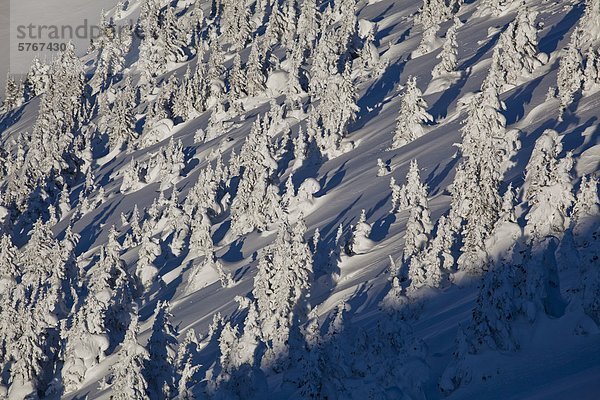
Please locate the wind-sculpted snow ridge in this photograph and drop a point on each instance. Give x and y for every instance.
(293, 199)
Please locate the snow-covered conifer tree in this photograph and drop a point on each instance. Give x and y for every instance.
(370, 62)
(184, 100)
(37, 79)
(586, 33)
(432, 265)
(428, 41)
(325, 62)
(413, 113)
(494, 8)
(308, 25)
(257, 203)
(284, 275)
(237, 78)
(434, 12)
(516, 53)
(200, 239)
(9, 269)
(548, 187)
(514, 292)
(13, 94)
(570, 77)
(360, 242)
(151, 55)
(255, 78)
(235, 24)
(187, 351)
(475, 197)
(337, 110)
(112, 47)
(86, 341)
(418, 226)
(448, 57)
(145, 270)
(160, 368)
(120, 120)
(397, 195)
(591, 73)
(129, 382)
(382, 168)
(587, 205)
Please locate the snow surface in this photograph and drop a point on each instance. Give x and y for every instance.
(553, 362)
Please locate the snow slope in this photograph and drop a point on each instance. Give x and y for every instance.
(553, 362)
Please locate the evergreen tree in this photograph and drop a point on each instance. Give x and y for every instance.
(569, 77)
(120, 120)
(587, 205)
(9, 269)
(235, 24)
(129, 382)
(200, 239)
(475, 199)
(591, 73)
(516, 52)
(411, 116)
(184, 100)
(431, 266)
(284, 275)
(257, 202)
(308, 25)
(86, 341)
(434, 12)
(255, 78)
(160, 367)
(360, 242)
(548, 187)
(514, 293)
(37, 79)
(448, 57)
(586, 33)
(237, 78)
(187, 351)
(13, 94)
(337, 110)
(113, 44)
(151, 55)
(145, 269)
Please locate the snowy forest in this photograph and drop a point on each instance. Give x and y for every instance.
(302, 199)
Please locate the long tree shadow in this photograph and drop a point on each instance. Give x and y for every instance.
(336, 179)
(482, 50)
(383, 14)
(381, 227)
(575, 139)
(549, 43)
(440, 109)
(234, 252)
(435, 180)
(372, 102)
(11, 118)
(328, 232)
(379, 204)
(516, 102)
(93, 227)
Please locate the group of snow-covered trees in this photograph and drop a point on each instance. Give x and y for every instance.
(66, 307)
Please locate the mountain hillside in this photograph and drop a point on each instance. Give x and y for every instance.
(297, 199)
